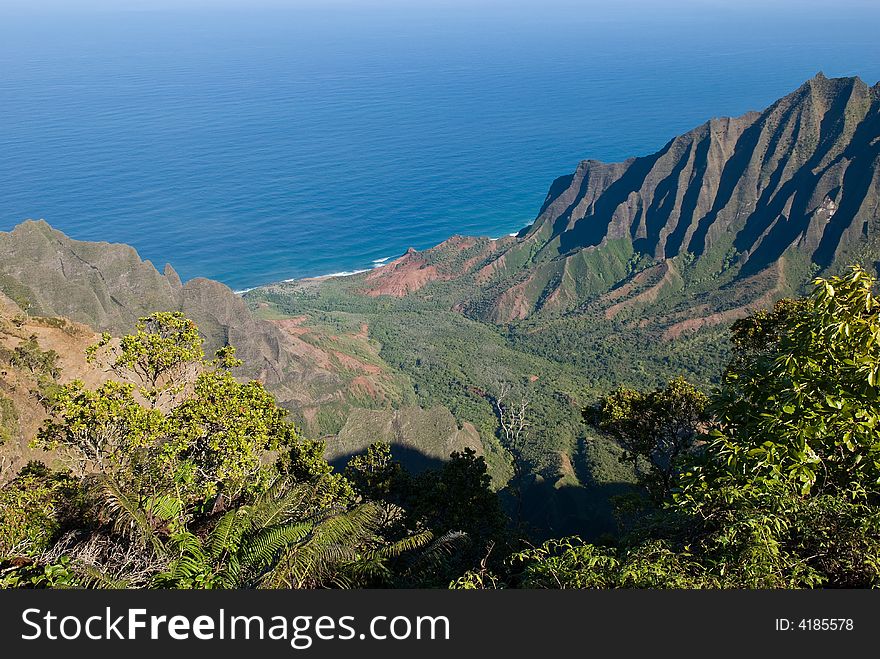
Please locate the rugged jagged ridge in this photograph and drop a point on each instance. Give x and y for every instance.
(612, 283)
(108, 287)
(736, 198)
(320, 375)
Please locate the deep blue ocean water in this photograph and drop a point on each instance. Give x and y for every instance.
(258, 146)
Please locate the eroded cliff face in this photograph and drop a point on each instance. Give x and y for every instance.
(733, 200)
(108, 287)
(773, 180)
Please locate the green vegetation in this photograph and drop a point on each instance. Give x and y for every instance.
(657, 430)
(781, 491)
(180, 476)
(28, 356)
(462, 364)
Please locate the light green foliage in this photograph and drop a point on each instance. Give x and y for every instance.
(787, 492)
(158, 355)
(572, 563)
(801, 406)
(566, 563)
(33, 507)
(211, 489)
(219, 434)
(303, 460)
(102, 429)
(57, 574)
(29, 356)
(477, 580)
(163, 341)
(210, 443)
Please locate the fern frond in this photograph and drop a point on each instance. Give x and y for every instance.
(278, 504)
(127, 517)
(260, 552)
(92, 576)
(226, 534)
(407, 544)
(435, 554)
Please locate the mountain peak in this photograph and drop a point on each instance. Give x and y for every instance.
(736, 197)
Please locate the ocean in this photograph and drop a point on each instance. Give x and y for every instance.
(257, 146)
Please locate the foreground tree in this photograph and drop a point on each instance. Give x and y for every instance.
(789, 489)
(187, 478)
(453, 503)
(657, 430)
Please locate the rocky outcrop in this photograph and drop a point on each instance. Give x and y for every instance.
(405, 275)
(803, 174)
(108, 287)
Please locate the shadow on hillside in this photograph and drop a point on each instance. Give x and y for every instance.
(547, 511)
(552, 512)
(412, 459)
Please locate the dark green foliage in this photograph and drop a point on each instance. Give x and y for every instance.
(657, 430)
(375, 474)
(29, 356)
(453, 500)
(457, 497)
(785, 491)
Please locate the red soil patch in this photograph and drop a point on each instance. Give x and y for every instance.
(363, 385)
(513, 304)
(730, 315)
(490, 248)
(310, 414)
(302, 349)
(485, 273)
(354, 364)
(406, 275)
(293, 326)
(650, 294)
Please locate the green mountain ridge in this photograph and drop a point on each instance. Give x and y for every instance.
(319, 373)
(729, 200)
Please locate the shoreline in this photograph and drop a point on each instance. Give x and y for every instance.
(343, 273)
(375, 263)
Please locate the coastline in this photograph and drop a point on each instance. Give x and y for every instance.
(375, 263)
(344, 273)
